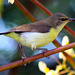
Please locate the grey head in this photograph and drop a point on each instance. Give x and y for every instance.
(57, 19)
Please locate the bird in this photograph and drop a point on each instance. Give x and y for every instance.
(39, 33)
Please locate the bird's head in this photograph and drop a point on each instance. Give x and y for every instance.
(59, 19)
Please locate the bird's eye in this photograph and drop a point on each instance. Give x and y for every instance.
(64, 19)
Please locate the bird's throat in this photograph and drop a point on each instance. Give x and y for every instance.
(59, 28)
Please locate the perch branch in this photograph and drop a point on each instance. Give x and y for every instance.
(35, 57)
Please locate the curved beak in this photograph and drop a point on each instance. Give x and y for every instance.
(71, 19)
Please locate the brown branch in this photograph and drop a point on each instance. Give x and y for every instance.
(25, 11)
(35, 57)
(37, 3)
(70, 31)
(69, 59)
(56, 60)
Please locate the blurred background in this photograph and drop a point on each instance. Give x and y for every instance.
(11, 16)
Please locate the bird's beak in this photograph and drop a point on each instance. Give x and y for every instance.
(71, 19)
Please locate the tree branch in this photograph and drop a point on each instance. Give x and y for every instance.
(35, 57)
(25, 11)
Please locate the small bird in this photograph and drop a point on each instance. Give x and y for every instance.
(39, 33)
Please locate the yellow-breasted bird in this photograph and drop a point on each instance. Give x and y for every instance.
(39, 33)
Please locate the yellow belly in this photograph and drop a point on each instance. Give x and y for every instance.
(35, 40)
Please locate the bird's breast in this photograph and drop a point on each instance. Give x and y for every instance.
(36, 39)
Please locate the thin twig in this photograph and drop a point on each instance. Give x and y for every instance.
(56, 60)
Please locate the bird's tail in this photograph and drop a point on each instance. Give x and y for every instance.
(4, 33)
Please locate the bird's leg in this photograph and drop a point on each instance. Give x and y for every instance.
(22, 51)
(43, 51)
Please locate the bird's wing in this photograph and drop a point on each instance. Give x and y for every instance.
(22, 28)
(19, 29)
(32, 27)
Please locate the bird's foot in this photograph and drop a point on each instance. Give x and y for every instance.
(23, 57)
(23, 53)
(43, 51)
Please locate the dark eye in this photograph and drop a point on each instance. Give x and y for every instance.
(64, 19)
